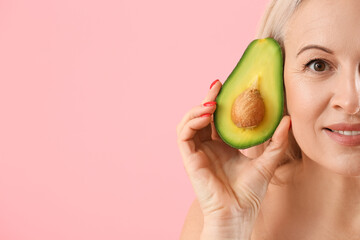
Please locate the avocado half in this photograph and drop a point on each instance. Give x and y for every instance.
(260, 67)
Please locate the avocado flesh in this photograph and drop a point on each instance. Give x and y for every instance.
(260, 65)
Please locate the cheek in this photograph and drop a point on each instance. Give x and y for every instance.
(302, 101)
(306, 105)
(306, 97)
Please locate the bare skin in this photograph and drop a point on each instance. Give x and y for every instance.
(229, 186)
(321, 199)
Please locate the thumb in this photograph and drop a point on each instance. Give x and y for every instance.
(275, 151)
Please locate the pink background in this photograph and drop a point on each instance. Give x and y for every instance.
(90, 96)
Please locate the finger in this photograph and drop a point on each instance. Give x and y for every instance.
(185, 139)
(275, 151)
(214, 133)
(194, 125)
(256, 151)
(195, 112)
(213, 92)
(211, 97)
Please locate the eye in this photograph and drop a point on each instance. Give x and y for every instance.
(317, 65)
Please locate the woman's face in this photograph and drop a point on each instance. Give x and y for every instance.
(322, 82)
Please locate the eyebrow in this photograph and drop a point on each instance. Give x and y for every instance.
(312, 46)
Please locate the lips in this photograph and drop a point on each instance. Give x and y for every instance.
(344, 134)
(347, 133)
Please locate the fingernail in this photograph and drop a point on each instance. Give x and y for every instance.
(209, 104)
(205, 115)
(290, 125)
(214, 83)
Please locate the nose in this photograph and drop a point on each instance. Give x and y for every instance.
(347, 92)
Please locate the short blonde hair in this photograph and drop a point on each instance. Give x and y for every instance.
(273, 21)
(272, 24)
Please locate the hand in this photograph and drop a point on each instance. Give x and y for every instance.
(229, 186)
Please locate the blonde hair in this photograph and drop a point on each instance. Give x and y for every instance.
(273, 21)
(272, 24)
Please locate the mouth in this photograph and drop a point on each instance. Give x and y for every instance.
(344, 134)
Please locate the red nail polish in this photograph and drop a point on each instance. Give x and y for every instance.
(209, 104)
(290, 125)
(214, 83)
(205, 115)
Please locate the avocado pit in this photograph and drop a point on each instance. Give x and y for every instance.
(248, 109)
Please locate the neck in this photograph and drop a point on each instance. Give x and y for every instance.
(332, 198)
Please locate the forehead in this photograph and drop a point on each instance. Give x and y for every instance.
(333, 23)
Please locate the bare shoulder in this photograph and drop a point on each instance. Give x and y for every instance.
(193, 223)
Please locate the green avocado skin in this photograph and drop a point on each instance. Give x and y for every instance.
(262, 57)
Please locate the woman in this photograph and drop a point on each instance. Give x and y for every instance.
(317, 192)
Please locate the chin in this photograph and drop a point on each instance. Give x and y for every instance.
(345, 164)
